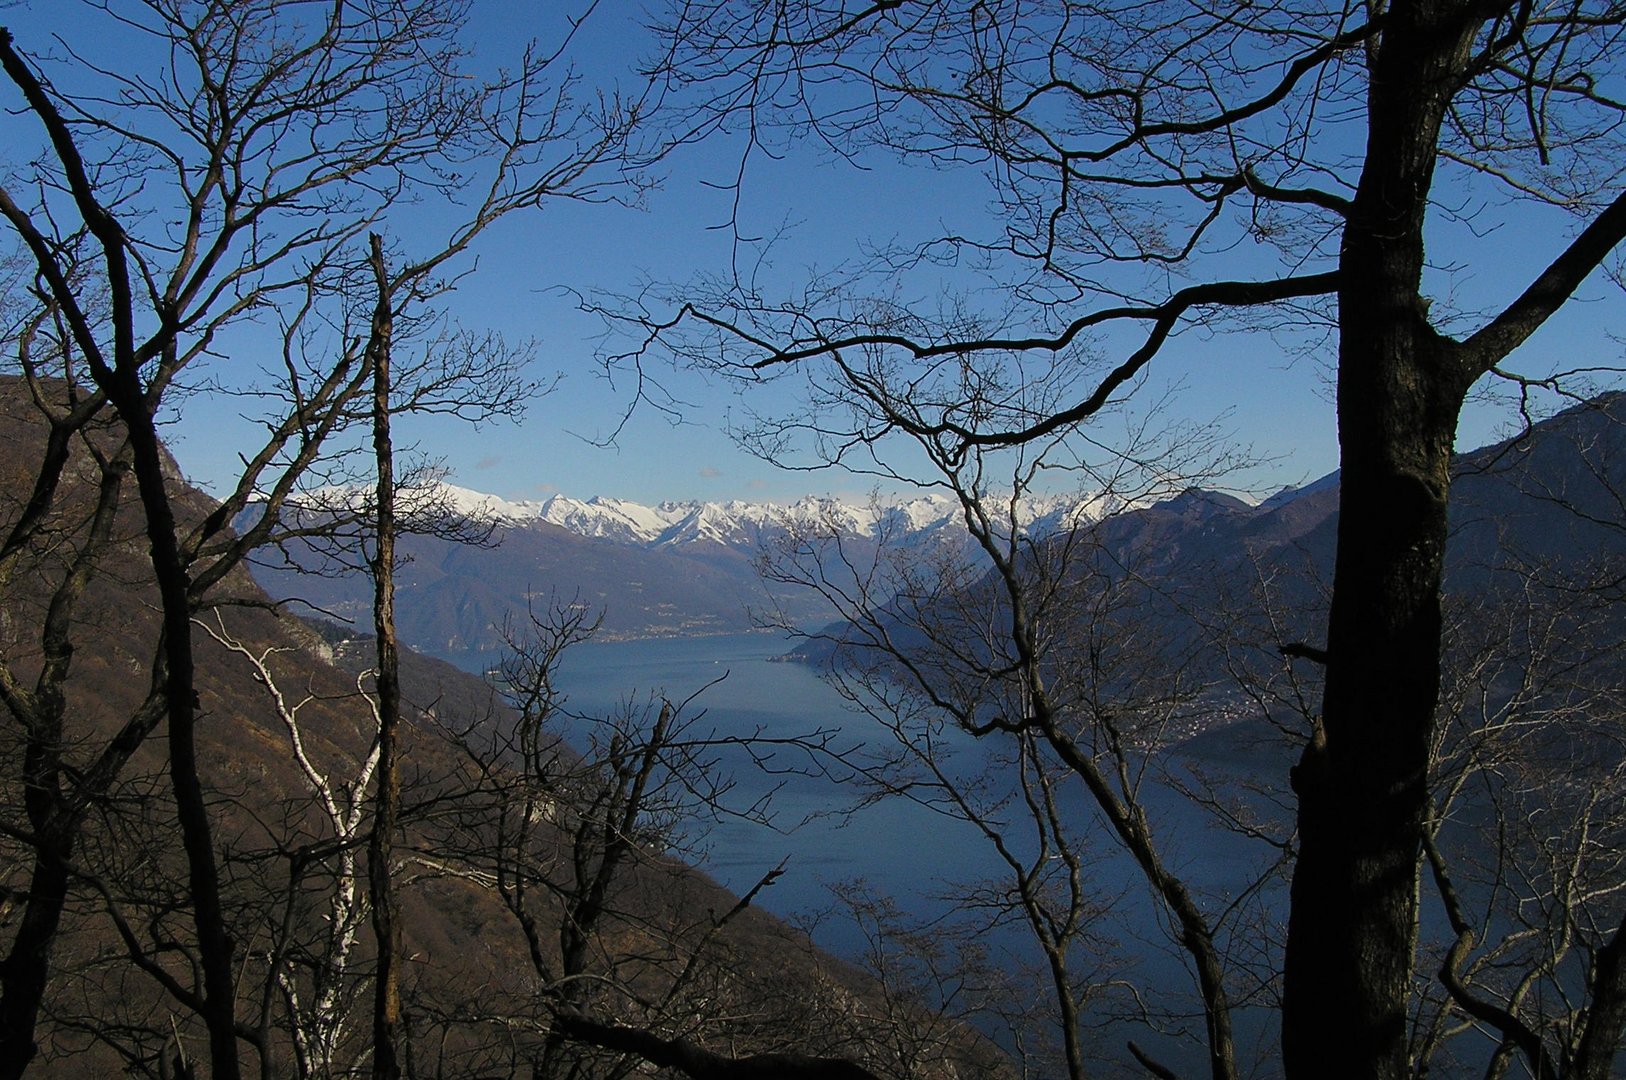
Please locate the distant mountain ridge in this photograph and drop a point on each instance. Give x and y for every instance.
(672, 570)
(737, 522)
(1542, 509)
(680, 569)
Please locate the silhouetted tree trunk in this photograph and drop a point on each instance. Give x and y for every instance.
(283, 140)
(386, 927)
(1362, 781)
(214, 945)
(118, 375)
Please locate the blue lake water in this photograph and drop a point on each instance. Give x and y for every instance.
(743, 692)
(903, 850)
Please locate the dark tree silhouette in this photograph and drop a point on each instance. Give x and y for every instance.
(1174, 165)
(165, 213)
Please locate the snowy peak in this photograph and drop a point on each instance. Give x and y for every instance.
(738, 523)
(602, 518)
(477, 504)
(436, 499)
(743, 524)
(735, 524)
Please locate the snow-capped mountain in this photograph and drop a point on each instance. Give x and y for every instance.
(740, 523)
(690, 568)
(731, 523)
(737, 523)
(672, 569)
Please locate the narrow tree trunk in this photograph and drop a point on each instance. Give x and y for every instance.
(120, 380)
(191, 810)
(55, 824)
(54, 816)
(386, 927)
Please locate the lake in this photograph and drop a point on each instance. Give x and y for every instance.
(901, 849)
(896, 846)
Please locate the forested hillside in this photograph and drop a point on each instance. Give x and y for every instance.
(508, 839)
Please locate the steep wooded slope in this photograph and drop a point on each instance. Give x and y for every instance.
(479, 998)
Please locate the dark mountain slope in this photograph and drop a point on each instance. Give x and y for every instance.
(1552, 498)
(476, 1002)
(1549, 502)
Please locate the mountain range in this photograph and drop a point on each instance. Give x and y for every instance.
(692, 568)
(674, 569)
(744, 524)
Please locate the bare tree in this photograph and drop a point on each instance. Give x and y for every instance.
(1523, 841)
(1050, 656)
(1174, 166)
(54, 815)
(1522, 849)
(244, 178)
(318, 1025)
(634, 961)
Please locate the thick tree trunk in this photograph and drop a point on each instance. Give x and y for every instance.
(26, 969)
(1600, 1041)
(1362, 783)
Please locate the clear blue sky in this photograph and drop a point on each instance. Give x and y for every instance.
(1276, 403)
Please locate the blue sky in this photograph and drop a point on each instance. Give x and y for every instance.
(1270, 400)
